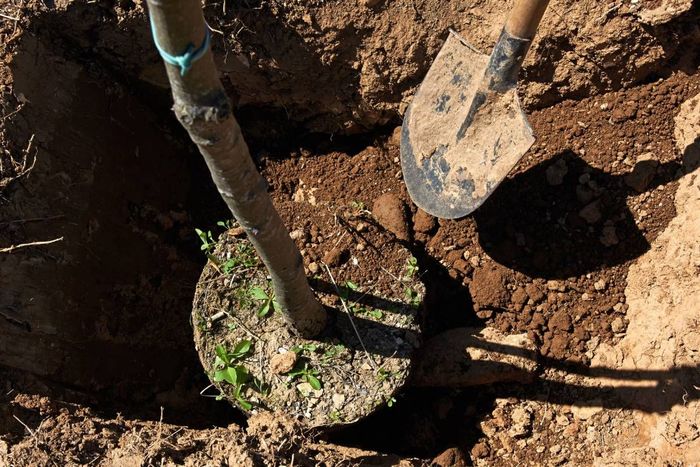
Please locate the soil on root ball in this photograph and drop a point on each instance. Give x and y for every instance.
(357, 364)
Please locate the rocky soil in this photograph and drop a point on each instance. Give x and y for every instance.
(588, 254)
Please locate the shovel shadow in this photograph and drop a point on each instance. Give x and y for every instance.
(579, 226)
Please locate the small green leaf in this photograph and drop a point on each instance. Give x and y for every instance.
(376, 314)
(265, 309)
(228, 266)
(230, 375)
(351, 285)
(258, 293)
(219, 376)
(242, 348)
(222, 354)
(276, 306)
(245, 405)
(313, 381)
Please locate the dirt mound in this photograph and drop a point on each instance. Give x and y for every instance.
(335, 67)
(39, 431)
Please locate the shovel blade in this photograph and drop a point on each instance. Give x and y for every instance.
(459, 140)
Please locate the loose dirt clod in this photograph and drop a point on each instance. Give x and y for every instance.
(488, 287)
(283, 363)
(424, 222)
(390, 212)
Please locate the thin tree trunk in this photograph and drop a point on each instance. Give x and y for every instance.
(203, 108)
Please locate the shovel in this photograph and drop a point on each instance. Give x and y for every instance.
(465, 130)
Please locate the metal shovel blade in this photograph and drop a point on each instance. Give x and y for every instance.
(459, 138)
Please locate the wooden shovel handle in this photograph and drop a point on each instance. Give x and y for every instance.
(525, 17)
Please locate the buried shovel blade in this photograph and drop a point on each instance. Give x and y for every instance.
(464, 130)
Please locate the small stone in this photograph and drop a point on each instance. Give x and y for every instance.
(585, 296)
(453, 256)
(313, 268)
(540, 449)
(338, 400)
(297, 234)
(283, 362)
(600, 285)
(390, 212)
(360, 247)
(591, 213)
(556, 172)
(555, 449)
(571, 430)
(521, 422)
(558, 286)
(617, 325)
(538, 320)
(643, 173)
(424, 222)
(562, 420)
(593, 343)
(307, 19)
(622, 113)
(305, 389)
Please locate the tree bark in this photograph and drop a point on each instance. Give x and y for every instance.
(203, 108)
